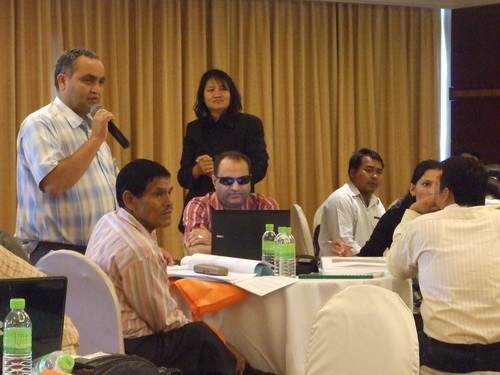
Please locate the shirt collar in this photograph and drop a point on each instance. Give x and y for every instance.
(128, 217)
(226, 119)
(73, 119)
(354, 191)
(214, 201)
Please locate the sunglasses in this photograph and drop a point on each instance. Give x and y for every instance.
(228, 181)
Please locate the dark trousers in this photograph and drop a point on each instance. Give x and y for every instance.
(458, 358)
(193, 348)
(44, 247)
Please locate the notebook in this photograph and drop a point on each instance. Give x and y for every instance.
(238, 233)
(45, 303)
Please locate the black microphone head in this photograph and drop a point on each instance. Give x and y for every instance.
(94, 109)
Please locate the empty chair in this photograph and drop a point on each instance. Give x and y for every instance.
(91, 301)
(302, 234)
(364, 329)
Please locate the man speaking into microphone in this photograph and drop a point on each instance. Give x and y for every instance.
(65, 171)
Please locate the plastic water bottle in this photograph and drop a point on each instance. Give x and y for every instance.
(268, 244)
(287, 253)
(58, 361)
(17, 340)
(277, 250)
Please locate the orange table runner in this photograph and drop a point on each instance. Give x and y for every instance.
(208, 296)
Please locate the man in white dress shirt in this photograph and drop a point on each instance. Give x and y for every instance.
(351, 212)
(455, 252)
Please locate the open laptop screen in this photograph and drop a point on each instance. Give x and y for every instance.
(45, 304)
(238, 233)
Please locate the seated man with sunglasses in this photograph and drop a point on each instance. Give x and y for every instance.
(232, 192)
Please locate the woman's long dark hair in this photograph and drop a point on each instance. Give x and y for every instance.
(419, 171)
(200, 108)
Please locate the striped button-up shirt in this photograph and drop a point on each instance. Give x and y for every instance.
(129, 255)
(454, 251)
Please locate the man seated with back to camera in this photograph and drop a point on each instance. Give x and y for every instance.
(123, 243)
(232, 192)
(454, 251)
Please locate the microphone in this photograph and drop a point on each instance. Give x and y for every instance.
(112, 128)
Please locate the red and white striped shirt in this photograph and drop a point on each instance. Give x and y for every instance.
(198, 211)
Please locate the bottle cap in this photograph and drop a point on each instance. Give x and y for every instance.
(269, 227)
(66, 362)
(17, 303)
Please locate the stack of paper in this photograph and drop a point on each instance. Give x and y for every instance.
(354, 266)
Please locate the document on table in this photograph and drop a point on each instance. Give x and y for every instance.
(265, 284)
(254, 276)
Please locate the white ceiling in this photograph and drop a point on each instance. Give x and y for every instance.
(423, 3)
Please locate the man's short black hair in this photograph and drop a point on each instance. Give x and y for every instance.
(66, 62)
(231, 155)
(357, 158)
(466, 178)
(136, 175)
(466, 150)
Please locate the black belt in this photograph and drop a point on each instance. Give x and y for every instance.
(44, 247)
(458, 358)
(477, 348)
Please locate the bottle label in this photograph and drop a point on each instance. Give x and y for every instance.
(268, 247)
(287, 251)
(17, 340)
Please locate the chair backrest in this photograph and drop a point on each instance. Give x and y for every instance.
(364, 329)
(12, 244)
(317, 217)
(315, 232)
(91, 301)
(302, 234)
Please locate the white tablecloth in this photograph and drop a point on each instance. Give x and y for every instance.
(273, 331)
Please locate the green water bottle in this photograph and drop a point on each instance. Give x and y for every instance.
(17, 340)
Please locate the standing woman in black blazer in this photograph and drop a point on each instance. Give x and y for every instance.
(220, 126)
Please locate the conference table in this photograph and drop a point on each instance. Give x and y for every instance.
(272, 331)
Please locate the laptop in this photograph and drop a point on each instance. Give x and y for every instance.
(238, 233)
(45, 304)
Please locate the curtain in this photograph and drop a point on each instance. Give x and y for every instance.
(326, 79)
